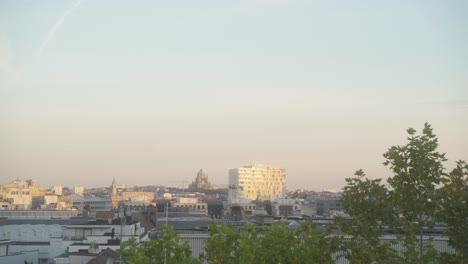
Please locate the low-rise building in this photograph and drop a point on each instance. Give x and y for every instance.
(7, 257)
(189, 205)
(327, 207)
(78, 190)
(286, 208)
(41, 241)
(57, 189)
(92, 204)
(138, 196)
(38, 214)
(17, 193)
(246, 205)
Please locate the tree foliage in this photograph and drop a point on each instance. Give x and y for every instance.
(454, 209)
(418, 170)
(367, 202)
(223, 240)
(275, 244)
(165, 249)
(419, 193)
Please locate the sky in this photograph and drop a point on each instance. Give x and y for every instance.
(149, 92)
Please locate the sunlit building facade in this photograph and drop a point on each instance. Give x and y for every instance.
(257, 182)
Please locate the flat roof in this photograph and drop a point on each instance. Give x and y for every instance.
(71, 221)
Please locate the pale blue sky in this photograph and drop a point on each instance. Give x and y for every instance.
(148, 92)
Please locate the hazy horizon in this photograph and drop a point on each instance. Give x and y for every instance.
(150, 92)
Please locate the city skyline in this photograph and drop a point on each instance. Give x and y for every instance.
(150, 93)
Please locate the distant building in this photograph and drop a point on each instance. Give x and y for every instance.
(113, 188)
(121, 186)
(57, 189)
(90, 204)
(201, 182)
(327, 207)
(257, 182)
(38, 214)
(138, 196)
(78, 190)
(115, 198)
(189, 205)
(329, 190)
(246, 205)
(32, 183)
(17, 194)
(286, 207)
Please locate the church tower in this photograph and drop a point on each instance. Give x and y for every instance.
(114, 187)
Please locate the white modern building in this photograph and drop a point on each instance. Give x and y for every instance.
(257, 182)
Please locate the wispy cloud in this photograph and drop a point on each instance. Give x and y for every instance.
(455, 102)
(57, 26)
(9, 75)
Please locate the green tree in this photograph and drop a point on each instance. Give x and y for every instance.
(418, 194)
(249, 246)
(222, 243)
(167, 248)
(417, 172)
(278, 245)
(275, 244)
(367, 203)
(454, 209)
(315, 245)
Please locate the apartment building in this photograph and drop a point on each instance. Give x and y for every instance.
(257, 182)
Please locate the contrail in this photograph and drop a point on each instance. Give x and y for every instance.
(57, 25)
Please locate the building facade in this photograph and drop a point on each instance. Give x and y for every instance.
(90, 204)
(137, 196)
(78, 190)
(189, 205)
(328, 207)
(17, 194)
(286, 208)
(257, 182)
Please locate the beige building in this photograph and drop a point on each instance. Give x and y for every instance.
(78, 190)
(17, 194)
(257, 182)
(138, 196)
(189, 205)
(57, 189)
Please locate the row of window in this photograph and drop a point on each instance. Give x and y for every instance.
(191, 206)
(18, 192)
